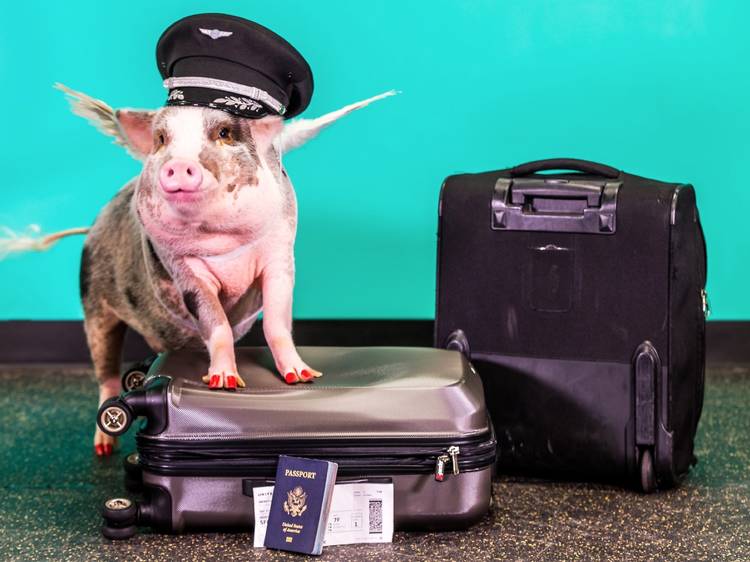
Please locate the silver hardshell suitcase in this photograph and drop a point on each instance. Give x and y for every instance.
(413, 415)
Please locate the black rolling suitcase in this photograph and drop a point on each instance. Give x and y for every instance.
(580, 299)
(413, 416)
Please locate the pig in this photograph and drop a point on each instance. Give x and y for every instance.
(189, 252)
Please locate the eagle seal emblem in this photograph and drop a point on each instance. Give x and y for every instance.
(295, 504)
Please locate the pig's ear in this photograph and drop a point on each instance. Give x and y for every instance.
(265, 131)
(135, 126)
(300, 131)
(130, 128)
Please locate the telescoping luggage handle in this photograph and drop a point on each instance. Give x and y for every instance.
(557, 204)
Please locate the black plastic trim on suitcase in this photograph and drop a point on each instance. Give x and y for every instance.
(646, 366)
(156, 509)
(555, 205)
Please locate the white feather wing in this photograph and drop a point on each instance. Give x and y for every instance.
(99, 114)
(300, 131)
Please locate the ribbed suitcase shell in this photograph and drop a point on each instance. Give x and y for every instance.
(398, 408)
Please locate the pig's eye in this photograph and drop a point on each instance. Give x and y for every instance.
(161, 140)
(225, 134)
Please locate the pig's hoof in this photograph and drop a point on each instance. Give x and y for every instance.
(307, 375)
(304, 375)
(232, 382)
(104, 444)
(228, 382)
(103, 450)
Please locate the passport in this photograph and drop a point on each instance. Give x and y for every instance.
(300, 504)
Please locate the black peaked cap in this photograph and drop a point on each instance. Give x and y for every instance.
(233, 64)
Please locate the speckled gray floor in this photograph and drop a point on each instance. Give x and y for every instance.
(52, 485)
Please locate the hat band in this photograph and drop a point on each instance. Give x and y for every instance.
(225, 86)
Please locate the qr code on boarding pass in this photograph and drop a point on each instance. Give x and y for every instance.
(376, 516)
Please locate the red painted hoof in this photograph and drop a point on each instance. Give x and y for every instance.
(306, 375)
(99, 450)
(214, 382)
(290, 378)
(230, 383)
(107, 449)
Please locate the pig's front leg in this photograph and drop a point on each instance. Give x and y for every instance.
(200, 292)
(278, 284)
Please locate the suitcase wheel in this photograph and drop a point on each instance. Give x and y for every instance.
(120, 516)
(119, 533)
(648, 477)
(133, 473)
(114, 417)
(130, 463)
(132, 379)
(119, 512)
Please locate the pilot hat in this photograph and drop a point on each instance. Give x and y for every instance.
(232, 64)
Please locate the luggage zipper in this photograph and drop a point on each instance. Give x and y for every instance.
(451, 454)
(176, 459)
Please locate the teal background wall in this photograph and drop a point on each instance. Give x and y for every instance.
(656, 88)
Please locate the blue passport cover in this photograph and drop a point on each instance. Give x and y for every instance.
(300, 504)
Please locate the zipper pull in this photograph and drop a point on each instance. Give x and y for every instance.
(453, 451)
(440, 467)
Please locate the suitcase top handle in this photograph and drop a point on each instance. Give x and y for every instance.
(557, 204)
(564, 164)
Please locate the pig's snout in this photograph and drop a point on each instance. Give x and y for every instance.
(180, 175)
